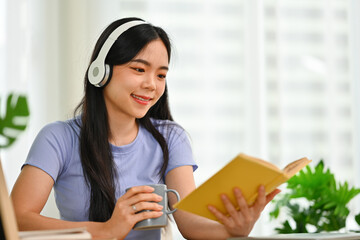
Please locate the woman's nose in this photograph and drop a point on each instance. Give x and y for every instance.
(149, 82)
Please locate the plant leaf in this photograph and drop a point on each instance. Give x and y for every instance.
(15, 119)
(357, 218)
(314, 197)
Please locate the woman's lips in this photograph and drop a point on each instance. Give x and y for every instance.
(141, 99)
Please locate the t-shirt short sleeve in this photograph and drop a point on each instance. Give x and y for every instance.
(180, 151)
(51, 148)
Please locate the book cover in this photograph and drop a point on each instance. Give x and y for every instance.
(245, 172)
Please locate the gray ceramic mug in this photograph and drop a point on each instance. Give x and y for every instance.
(154, 223)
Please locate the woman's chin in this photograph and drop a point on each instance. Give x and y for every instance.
(138, 116)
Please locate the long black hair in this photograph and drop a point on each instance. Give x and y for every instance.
(95, 150)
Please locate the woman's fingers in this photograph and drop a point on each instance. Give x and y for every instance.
(219, 215)
(140, 194)
(260, 202)
(228, 205)
(144, 197)
(243, 206)
(139, 199)
(138, 207)
(236, 216)
(231, 210)
(146, 215)
(136, 190)
(137, 204)
(240, 221)
(144, 204)
(271, 195)
(146, 210)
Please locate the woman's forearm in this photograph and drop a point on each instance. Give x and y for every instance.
(34, 221)
(193, 226)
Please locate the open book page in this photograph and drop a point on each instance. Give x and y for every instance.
(71, 233)
(292, 168)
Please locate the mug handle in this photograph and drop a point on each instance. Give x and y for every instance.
(178, 199)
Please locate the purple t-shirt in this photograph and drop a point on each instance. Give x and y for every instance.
(56, 151)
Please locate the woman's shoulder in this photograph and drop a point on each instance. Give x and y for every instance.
(161, 125)
(169, 129)
(58, 128)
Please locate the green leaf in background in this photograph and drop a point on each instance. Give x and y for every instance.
(15, 119)
(357, 218)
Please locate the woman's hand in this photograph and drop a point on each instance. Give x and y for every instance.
(240, 222)
(128, 209)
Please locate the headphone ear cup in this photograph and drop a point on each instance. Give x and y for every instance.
(108, 75)
(96, 73)
(99, 73)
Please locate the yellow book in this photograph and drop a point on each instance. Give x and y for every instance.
(245, 172)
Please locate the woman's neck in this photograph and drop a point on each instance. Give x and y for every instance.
(122, 132)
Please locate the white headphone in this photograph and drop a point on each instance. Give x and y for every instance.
(99, 72)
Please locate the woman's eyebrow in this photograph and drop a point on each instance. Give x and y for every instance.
(148, 64)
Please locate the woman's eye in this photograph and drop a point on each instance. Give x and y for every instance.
(162, 76)
(139, 69)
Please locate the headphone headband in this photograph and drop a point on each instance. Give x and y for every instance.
(98, 73)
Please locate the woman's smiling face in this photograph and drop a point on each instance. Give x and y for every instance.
(137, 85)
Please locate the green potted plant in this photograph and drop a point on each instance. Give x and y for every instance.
(314, 202)
(14, 119)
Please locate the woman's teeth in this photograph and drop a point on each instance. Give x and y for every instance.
(137, 97)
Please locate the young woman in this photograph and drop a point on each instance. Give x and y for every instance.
(124, 136)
